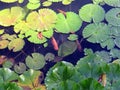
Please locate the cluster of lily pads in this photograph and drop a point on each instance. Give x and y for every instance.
(38, 25)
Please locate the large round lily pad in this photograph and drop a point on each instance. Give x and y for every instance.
(91, 12)
(113, 16)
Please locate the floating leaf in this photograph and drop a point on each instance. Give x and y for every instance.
(34, 1)
(96, 33)
(115, 53)
(20, 68)
(10, 16)
(20, 1)
(47, 3)
(33, 6)
(7, 64)
(44, 19)
(114, 3)
(113, 16)
(16, 44)
(58, 75)
(101, 2)
(30, 79)
(3, 44)
(49, 56)
(66, 2)
(117, 42)
(91, 12)
(90, 84)
(6, 75)
(8, 1)
(8, 37)
(71, 22)
(73, 37)
(36, 61)
(67, 48)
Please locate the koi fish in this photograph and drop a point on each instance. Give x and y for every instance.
(54, 43)
(40, 36)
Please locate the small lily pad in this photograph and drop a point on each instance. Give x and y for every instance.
(92, 12)
(20, 68)
(3, 44)
(36, 61)
(47, 3)
(67, 2)
(49, 57)
(117, 42)
(8, 1)
(73, 37)
(7, 64)
(1, 31)
(114, 3)
(16, 44)
(33, 6)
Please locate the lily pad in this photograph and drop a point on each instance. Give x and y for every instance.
(117, 42)
(67, 48)
(7, 64)
(67, 2)
(4, 44)
(36, 61)
(96, 33)
(1, 31)
(20, 68)
(114, 3)
(10, 16)
(8, 1)
(73, 37)
(92, 12)
(33, 6)
(16, 44)
(44, 19)
(113, 16)
(71, 22)
(49, 57)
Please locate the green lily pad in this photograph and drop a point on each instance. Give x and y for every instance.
(49, 57)
(92, 12)
(34, 1)
(113, 16)
(16, 44)
(115, 53)
(20, 68)
(67, 48)
(36, 61)
(101, 2)
(47, 3)
(117, 42)
(44, 19)
(7, 64)
(71, 22)
(1, 31)
(33, 6)
(73, 37)
(114, 3)
(67, 2)
(96, 33)
(10, 16)
(4, 44)
(8, 37)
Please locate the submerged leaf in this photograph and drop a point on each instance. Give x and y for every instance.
(92, 12)
(71, 22)
(67, 48)
(16, 44)
(36, 61)
(113, 16)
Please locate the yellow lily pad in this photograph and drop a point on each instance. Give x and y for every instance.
(3, 44)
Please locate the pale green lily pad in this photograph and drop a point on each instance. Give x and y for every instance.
(8, 37)
(113, 16)
(67, 2)
(20, 1)
(44, 19)
(73, 37)
(101, 2)
(92, 12)
(49, 57)
(20, 68)
(1, 31)
(7, 64)
(4, 44)
(114, 3)
(47, 3)
(8, 1)
(33, 37)
(16, 44)
(33, 6)
(34, 1)
(36, 61)
(67, 48)
(10, 16)
(115, 53)
(117, 42)
(71, 22)
(96, 33)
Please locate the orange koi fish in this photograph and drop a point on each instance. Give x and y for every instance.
(40, 36)
(54, 43)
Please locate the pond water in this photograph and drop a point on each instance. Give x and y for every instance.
(30, 47)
